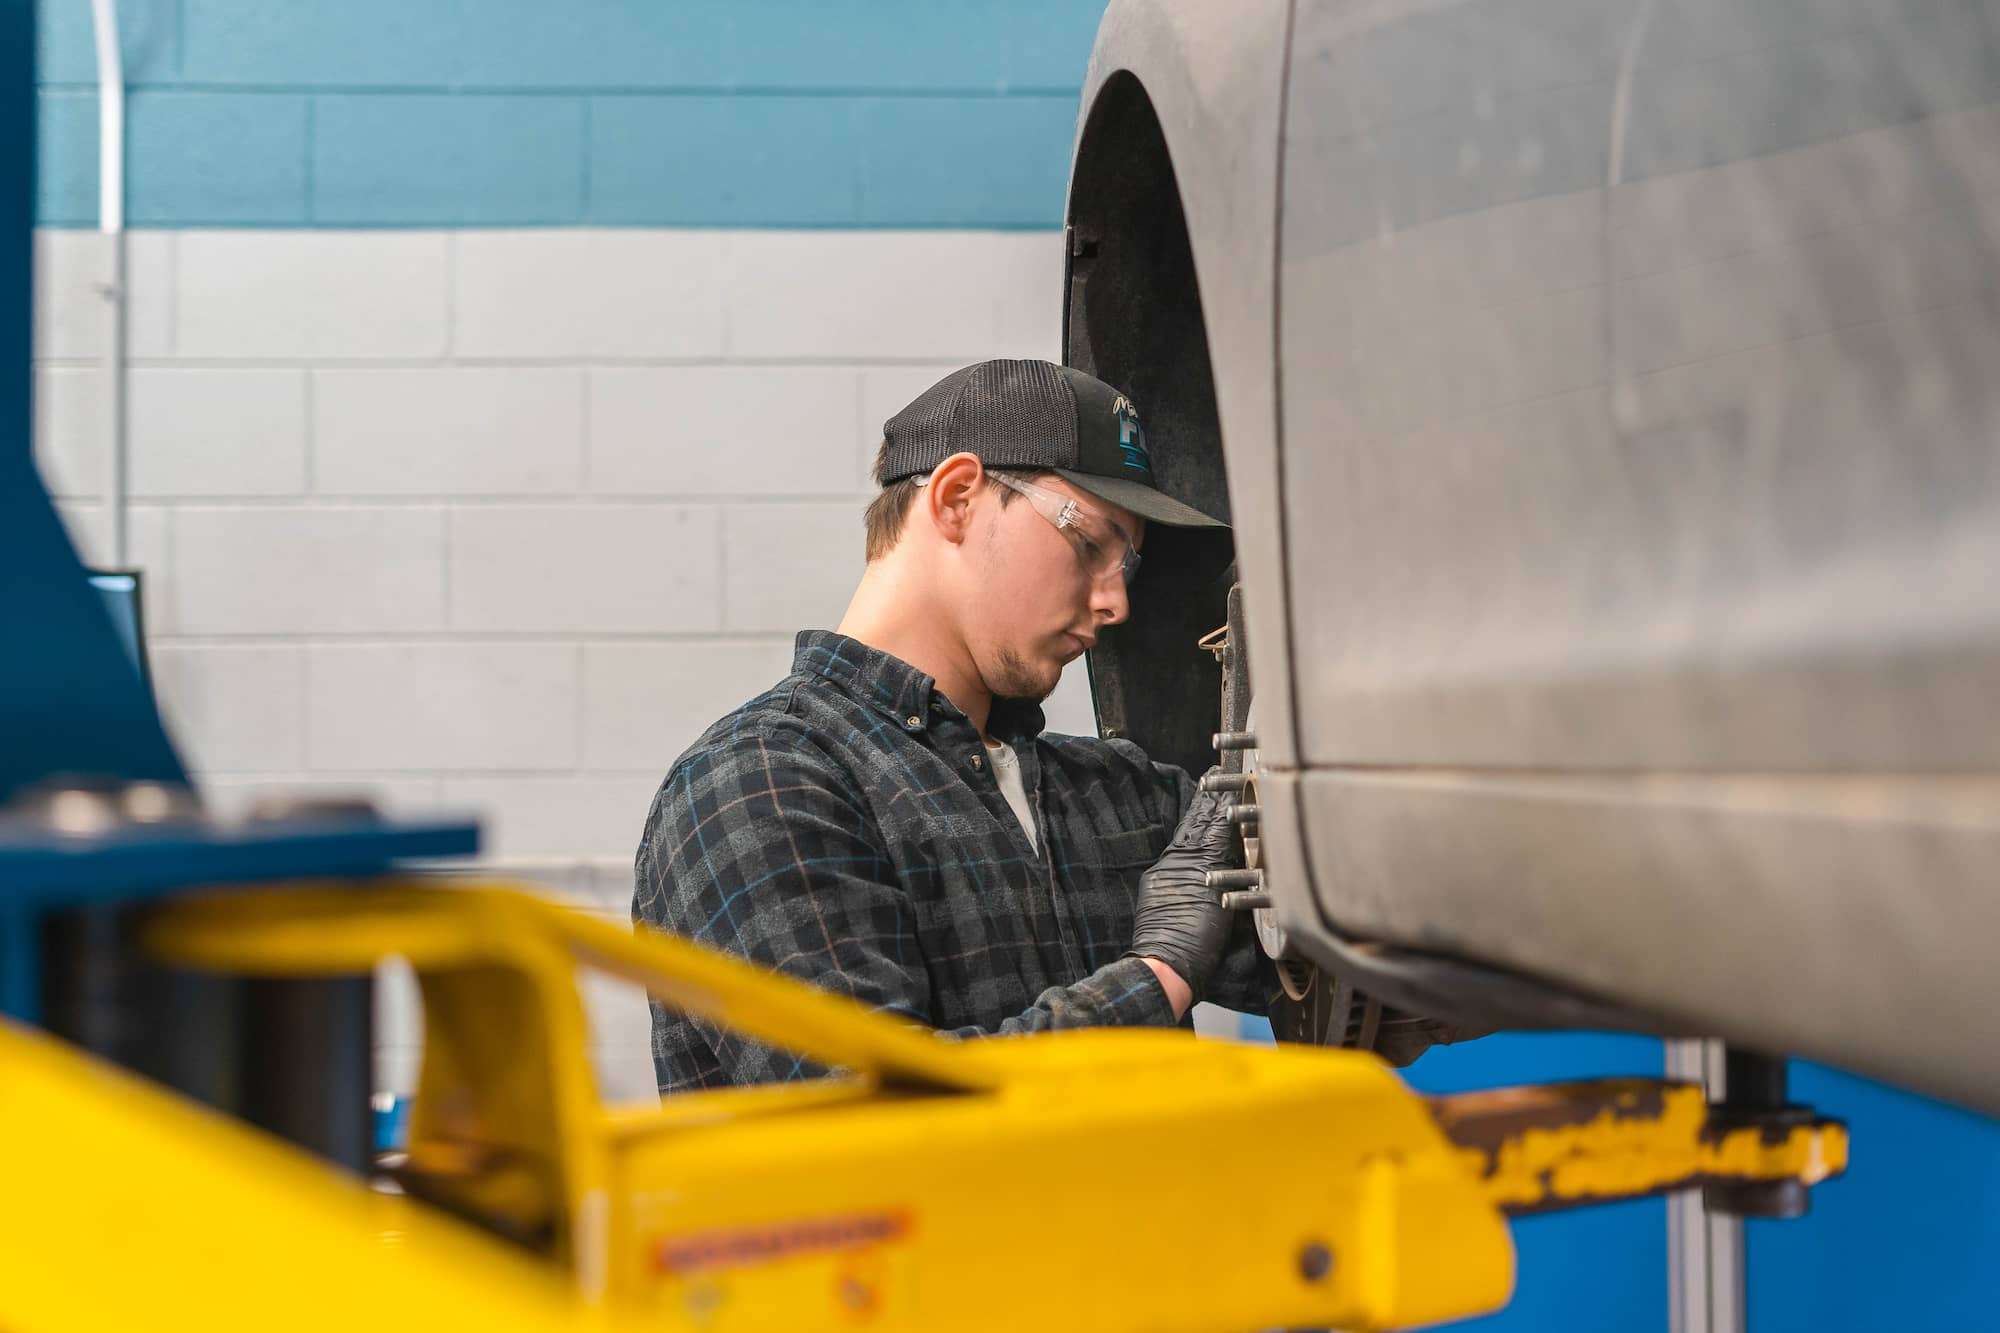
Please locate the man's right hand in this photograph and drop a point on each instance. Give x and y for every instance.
(1180, 921)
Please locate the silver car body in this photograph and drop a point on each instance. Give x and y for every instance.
(1606, 397)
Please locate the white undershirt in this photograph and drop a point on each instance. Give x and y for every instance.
(1007, 772)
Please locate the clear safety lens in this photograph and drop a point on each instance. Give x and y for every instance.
(1100, 546)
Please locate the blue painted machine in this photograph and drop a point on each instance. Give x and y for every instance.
(98, 817)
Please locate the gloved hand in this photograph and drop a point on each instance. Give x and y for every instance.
(1180, 921)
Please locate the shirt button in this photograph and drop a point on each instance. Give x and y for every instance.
(913, 722)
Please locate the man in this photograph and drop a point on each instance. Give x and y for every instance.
(891, 823)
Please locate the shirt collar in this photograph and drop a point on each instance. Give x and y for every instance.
(893, 686)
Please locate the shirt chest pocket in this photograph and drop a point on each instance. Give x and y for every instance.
(1100, 890)
(1120, 858)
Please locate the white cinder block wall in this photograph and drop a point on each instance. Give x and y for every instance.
(499, 521)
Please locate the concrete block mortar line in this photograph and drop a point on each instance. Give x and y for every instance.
(861, 428)
(728, 360)
(588, 480)
(729, 284)
(426, 361)
(326, 504)
(722, 565)
(172, 294)
(311, 433)
(374, 772)
(444, 567)
(979, 91)
(462, 773)
(170, 530)
(305, 708)
(451, 296)
(579, 713)
(474, 638)
(573, 361)
(361, 776)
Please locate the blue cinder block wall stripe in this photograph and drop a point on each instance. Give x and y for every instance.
(455, 113)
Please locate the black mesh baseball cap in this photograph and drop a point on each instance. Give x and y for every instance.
(1035, 414)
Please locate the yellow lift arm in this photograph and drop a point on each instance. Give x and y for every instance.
(1029, 1182)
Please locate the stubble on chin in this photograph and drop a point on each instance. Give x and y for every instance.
(1014, 677)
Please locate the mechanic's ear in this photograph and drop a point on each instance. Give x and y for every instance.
(949, 494)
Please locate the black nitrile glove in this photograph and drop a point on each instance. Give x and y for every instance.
(1180, 920)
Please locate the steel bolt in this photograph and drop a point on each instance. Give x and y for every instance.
(1315, 1262)
(1245, 902)
(1245, 814)
(1224, 781)
(1235, 740)
(1233, 879)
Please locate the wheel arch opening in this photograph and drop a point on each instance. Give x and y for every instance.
(1132, 316)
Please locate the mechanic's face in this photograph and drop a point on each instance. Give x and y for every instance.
(1038, 605)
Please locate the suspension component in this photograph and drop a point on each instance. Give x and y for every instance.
(1754, 1097)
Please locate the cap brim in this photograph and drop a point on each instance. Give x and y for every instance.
(1149, 504)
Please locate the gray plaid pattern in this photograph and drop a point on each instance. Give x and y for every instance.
(837, 827)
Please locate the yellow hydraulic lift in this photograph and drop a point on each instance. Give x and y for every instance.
(1034, 1182)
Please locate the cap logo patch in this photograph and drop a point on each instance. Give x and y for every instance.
(1131, 438)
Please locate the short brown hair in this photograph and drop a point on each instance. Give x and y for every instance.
(883, 520)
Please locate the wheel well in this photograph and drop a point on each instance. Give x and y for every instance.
(1133, 318)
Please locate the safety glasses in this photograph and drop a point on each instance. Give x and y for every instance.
(1100, 547)
(1099, 544)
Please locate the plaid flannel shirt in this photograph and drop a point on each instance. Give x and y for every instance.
(846, 827)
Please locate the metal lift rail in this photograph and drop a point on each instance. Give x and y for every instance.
(922, 1185)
